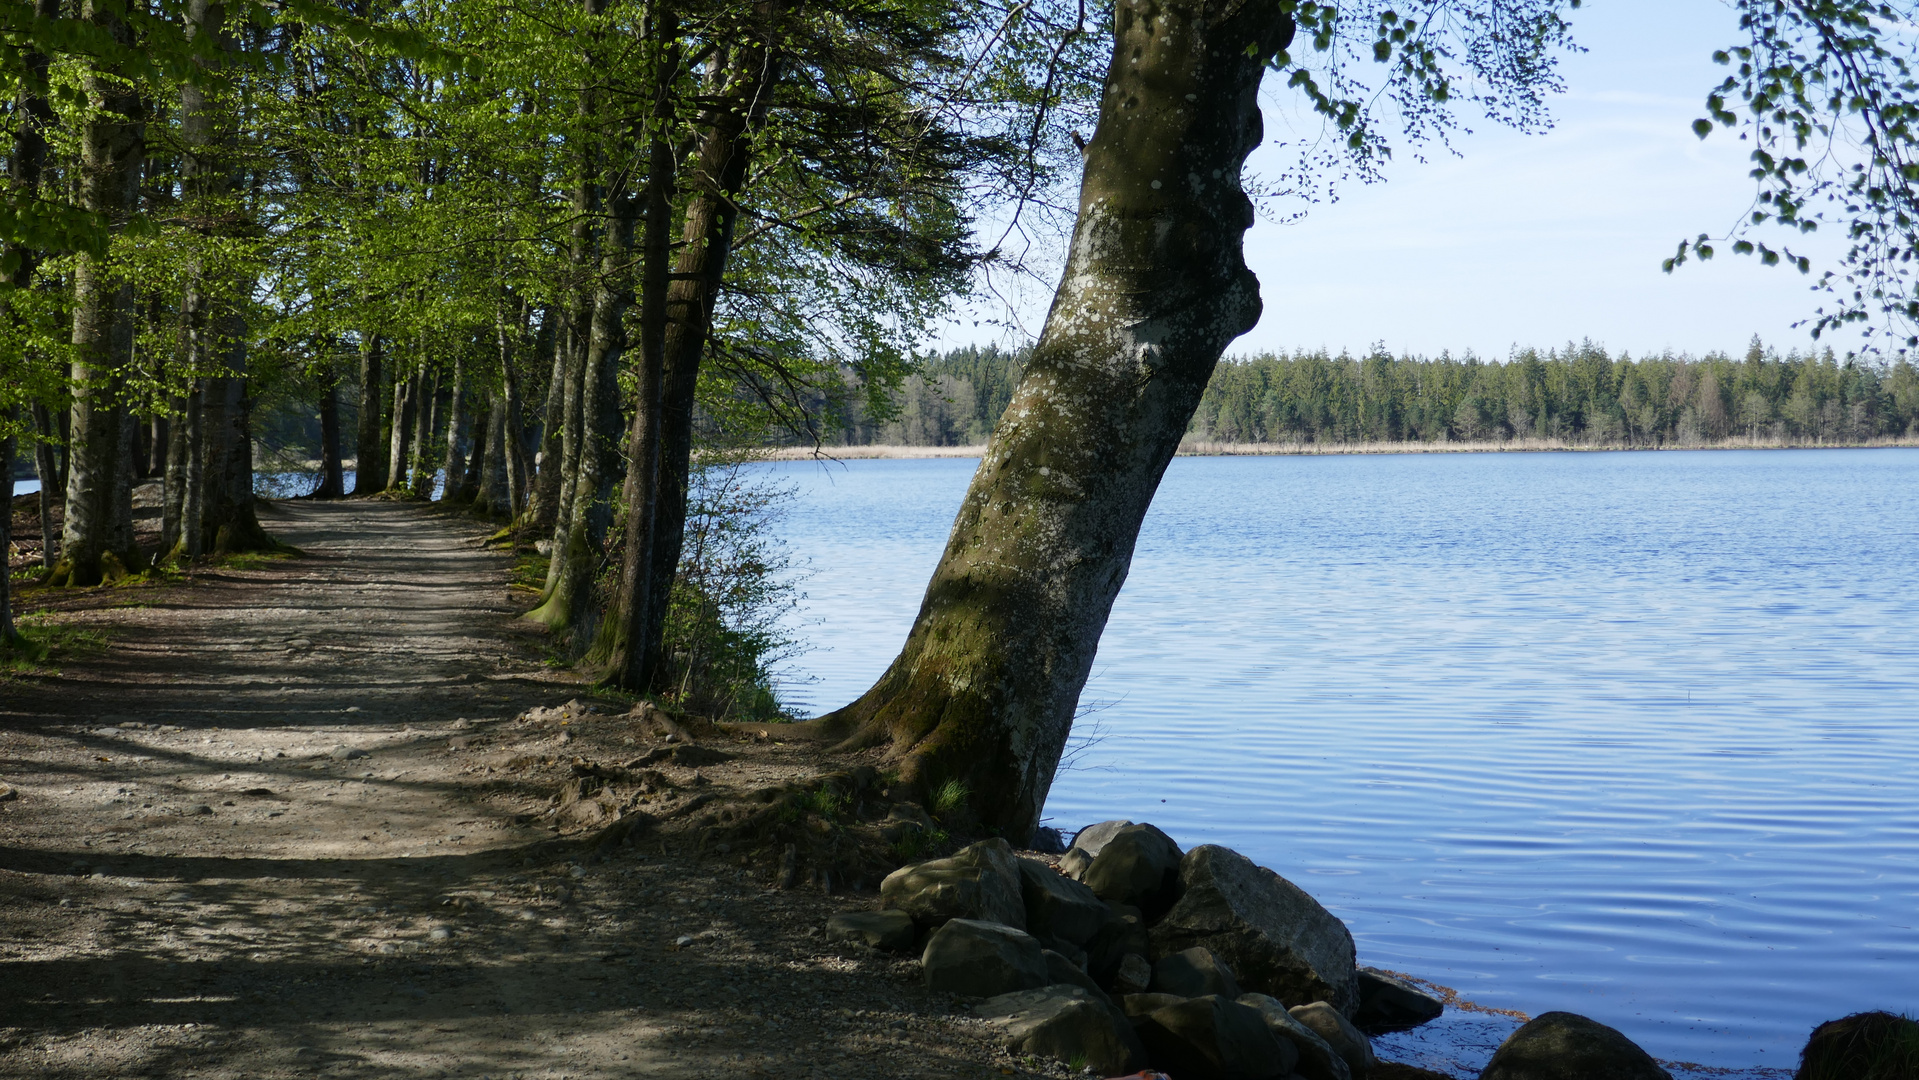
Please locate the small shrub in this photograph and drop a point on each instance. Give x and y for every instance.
(724, 635)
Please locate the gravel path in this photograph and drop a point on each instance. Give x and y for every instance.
(287, 825)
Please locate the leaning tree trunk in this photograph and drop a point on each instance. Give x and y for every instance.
(1155, 287)
(96, 540)
(369, 467)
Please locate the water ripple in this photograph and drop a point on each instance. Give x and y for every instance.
(1626, 734)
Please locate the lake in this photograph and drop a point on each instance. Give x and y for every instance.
(1627, 734)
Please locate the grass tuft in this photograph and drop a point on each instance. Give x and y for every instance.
(949, 797)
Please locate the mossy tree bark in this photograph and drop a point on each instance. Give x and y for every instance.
(1155, 288)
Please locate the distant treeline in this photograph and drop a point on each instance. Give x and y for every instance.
(954, 399)
(1577, 395)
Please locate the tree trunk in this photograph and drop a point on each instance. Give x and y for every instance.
(494, 497)
(332, 473)
(24, 167)
(227, 519)
(97, 533)
(454, 490)
(543, 501)
(369, 473)
(193, 537)
(174, 482)
(50, 486)
(719, 174)
(475, 473)
(578, 544)
(160, 434)
(1155, 287)
(405, 402)
(514, 448)
(216, 330)
(425, 414)
(8, 636)
(624, 651)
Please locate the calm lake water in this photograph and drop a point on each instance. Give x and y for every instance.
(1628, 734)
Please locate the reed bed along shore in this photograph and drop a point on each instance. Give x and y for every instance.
(1198, 448)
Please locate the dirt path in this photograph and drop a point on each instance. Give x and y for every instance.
(286, 825)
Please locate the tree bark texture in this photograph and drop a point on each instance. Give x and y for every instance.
(1155, 287)
(97, 533)
(369, 473)
(719, 174)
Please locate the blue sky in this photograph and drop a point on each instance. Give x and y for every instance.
(1541, 239)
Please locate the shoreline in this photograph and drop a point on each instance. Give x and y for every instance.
(1197, 448)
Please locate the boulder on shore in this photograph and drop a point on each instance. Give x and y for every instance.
(1277, 939)
(1317, 1059)
(1390, 1003)
(982, 959)
(1194, 972)
(980, 881)
(1135, 975)
(1339, 1033)
(1121, 936)
(1213, 1038)
(1087, 844)
(1062, 971)
(1139, 865)
(890, 930)
(1069, 1024)
(1567, 1046)
(1057, 906)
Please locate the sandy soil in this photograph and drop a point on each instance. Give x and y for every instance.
(289, 823)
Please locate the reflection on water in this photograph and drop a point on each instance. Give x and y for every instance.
(1624, 734)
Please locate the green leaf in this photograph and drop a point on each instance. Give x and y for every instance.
(1702, 128)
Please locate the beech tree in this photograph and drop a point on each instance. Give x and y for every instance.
(984, 691)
